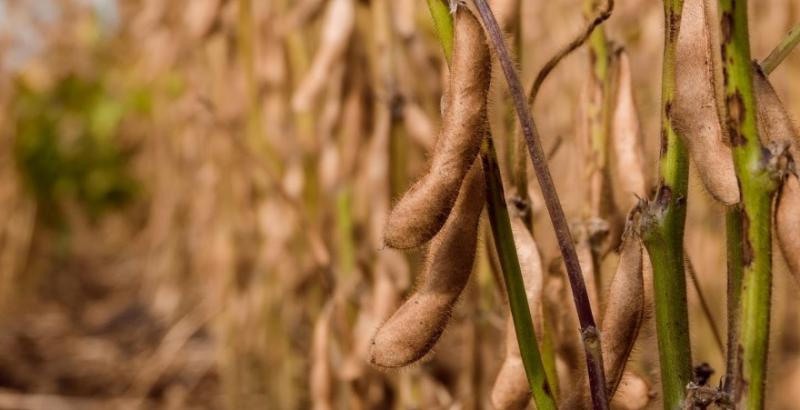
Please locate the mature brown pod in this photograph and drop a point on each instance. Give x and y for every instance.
(622, 320)
(774, 123)
(626, 137)
(511, 389)
(624, 311)
(414, 328)
(694, 112)
(422, 211)
(633, 393)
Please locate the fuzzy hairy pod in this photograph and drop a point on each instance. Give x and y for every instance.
(695, 113)
(624, 311)
(775, 126)
(416, 326)
(423, 210)
(633, 393)
(320, 381)
(511, 389)
(340, 18)
(622, 320)
(626, 137)
(787, 224)
(774, 122)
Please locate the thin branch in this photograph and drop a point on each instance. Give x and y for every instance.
(554, 148)
(602, 16)
(782, 50)
(704, 303)
(589, 332)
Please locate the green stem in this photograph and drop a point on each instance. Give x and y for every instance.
(662, 225)
(504, 243)
(443, 21)
(515, 288)
(782, 50)
(757, 185)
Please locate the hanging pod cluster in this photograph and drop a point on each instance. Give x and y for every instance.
(698, 112)
(443, 207)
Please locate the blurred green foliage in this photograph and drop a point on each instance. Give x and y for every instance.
(67, 144)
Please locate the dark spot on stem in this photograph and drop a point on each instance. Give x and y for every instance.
(724, 66)
(726, 27)
(741, 385)
(674, 25)
(664, 142)
(735, 118)
(747, 247)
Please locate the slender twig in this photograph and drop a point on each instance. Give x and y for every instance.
(662, 226)
(506, 250)
(602, 15)
(704, 303)
(554, 148)
(758, 184)
(589, 331)
(782, 50)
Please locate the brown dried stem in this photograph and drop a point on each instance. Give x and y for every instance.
(602, 15)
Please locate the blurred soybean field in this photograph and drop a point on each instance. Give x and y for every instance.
(184, 192)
